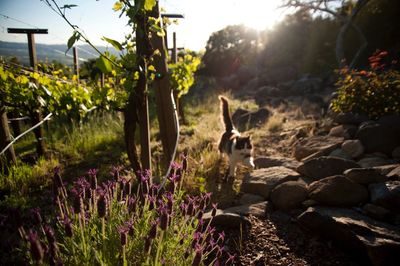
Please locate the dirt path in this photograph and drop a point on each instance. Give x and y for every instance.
(277, 239)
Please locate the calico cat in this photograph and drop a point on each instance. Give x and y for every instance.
(238, 148)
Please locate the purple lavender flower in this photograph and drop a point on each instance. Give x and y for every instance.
(214, 209)
(221, 238)
(200, 225)
(102, 204)
(93, 178)
(153, 230)
(190, 207)
(123, 232)
(67, 226)
(37, 217)
(49, 234)
(197, 257)
(175, 165)
(197, 237)
(147, 244)
(36, 248)
(231, 259)
(184, 162)
(131, 230)
(152, 201)
(164, 218)
(183, 208)
(132, 204)
(115, 170)
(77, 203)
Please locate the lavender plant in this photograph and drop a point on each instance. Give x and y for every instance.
(109, 224)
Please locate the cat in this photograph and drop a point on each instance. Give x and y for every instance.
(239, 149)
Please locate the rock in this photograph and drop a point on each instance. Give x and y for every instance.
(325, 166)
(353, 148)
(250, 198)
(256, 209)
(377, 212)
(340, 153)
(236, 116)
(343, 131)
(396, 153)
(317, 144)
(262, 181)
(395, 173)
(379, 138)
(309, 203)
(337, 191)
(226, 220)
(349, 118)
(390, 121)
(370, 241)
(365, 175)
(386, 169)
(244, 119)
(372, 161)
(386, 195)
(289, 195)
(265, 162)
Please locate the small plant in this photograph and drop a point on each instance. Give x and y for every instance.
(108, 224)
(374, 92)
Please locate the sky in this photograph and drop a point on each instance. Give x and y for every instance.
(97, 19)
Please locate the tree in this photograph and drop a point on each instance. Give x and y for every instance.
(346, 14)
(229, 48)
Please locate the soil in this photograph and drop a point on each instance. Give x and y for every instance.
(278, 240)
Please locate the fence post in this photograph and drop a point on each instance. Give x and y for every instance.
(164, 103)
(5, 137)
(36, 115)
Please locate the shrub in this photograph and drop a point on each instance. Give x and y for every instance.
(109, 225)
(374, 92)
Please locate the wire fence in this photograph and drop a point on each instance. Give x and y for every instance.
(25, 132)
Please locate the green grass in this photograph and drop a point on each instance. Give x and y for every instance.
(96, 143)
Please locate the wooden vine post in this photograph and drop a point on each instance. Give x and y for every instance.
(164, 102)
(36, 115)
(5, 138)
(136, 111)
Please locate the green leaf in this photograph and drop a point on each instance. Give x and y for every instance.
(103, 64)
(72, 40)
(114, 43)
(149, 4)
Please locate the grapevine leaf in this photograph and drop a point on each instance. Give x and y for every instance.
(149, 4)
(103, 64)
(114, 43)
(71, 41)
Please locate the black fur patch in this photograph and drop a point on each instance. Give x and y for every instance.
(242, 141)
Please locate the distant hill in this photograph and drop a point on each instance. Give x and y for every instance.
(50, 52)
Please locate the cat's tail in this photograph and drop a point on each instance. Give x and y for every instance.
(226, 118)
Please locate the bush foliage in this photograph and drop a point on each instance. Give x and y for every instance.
(374, 92)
